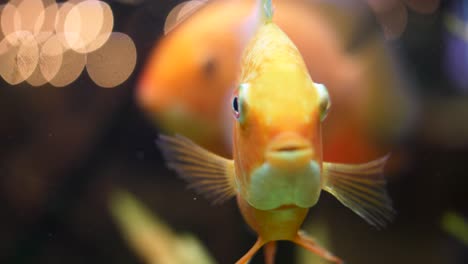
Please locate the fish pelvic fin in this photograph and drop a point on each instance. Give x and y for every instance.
(361, 188)
(249, 255)
(206, 172)
(303, 240)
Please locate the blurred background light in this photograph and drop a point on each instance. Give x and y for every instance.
(113, 63)
(82, 26)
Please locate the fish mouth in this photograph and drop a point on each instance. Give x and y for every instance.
(289, 150)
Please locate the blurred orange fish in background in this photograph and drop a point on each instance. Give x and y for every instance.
(191, 72)
(193, 68)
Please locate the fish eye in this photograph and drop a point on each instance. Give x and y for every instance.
(235, 106)
(238, 103)
(209, 66)
(324, 103)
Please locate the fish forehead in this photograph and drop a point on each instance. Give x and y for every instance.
(267, 50)
(280, 87)
(279, 96)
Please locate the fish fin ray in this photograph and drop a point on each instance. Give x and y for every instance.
(206, 172)
(361, 188)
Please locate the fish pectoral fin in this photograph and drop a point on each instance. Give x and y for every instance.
(361, 188)
(206, 172)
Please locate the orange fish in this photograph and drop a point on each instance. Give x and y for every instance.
(278, 171)
(175, 90)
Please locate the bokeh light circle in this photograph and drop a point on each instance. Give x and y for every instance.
(73, 64)
(10, 22)
(180, 12)
(62, 12)
(394, 21)
(106, 29)
(113, 63)
(423, 6)
(1, 30)
(51, 58)
(20, 58)
(43, 41)
(90, 23)
(27, 57)
(29, 13)
(8, 65)
(47, 16)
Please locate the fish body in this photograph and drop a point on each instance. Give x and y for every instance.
(279, 107)
(277, 172)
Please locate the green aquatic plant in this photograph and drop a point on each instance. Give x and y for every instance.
(321, 231)
(151, 238)
(457, 226)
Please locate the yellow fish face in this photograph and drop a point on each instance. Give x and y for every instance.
(277, 139)
(277, 147)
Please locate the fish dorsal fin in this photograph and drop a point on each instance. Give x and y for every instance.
(361, 188)
(267, 10)
(206, 172)
(181, 12)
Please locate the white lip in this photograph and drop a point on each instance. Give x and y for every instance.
(288, 141)
(289, 150)
(289, 157)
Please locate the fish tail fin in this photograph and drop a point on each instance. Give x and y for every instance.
(361, 188)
